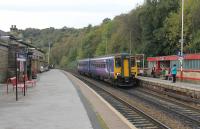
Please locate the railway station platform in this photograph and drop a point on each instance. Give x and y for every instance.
(52, 104)
(57, 102)
(183, 90)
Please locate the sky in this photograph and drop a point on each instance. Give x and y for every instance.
(59, 13)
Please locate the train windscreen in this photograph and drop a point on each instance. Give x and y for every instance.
(118, 62)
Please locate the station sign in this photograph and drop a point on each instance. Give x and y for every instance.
(21, 57)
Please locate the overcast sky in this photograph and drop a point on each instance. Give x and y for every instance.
(58, 13)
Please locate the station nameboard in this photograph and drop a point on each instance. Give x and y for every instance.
(21, 57)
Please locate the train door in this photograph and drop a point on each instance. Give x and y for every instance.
(117, 67)
(125, 68)
(108, 67)
(134, 67)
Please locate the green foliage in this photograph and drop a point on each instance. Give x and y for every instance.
(63, 62)
(153, 28)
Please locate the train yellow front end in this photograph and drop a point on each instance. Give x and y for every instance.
(123, 75)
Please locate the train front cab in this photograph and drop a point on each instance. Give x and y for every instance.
(122, 71)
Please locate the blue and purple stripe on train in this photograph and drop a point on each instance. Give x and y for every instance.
(118, 69)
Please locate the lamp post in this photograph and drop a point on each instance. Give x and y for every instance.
(182, 28)
(182, 40)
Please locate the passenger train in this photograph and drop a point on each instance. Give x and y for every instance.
(118, 69)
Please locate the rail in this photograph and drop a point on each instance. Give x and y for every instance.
(137, 117)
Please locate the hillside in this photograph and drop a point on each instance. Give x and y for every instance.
(153, 28)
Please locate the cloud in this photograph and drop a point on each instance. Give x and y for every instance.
(65, 8)
(66, 5)
(59, 13)
(51, 19)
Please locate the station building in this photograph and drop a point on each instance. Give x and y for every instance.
(3, 60)
(9, 46)
(191, 65)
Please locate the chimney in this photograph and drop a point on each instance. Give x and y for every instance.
(13, 28)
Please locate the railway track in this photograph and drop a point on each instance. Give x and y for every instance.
(137, 117)
(190, 115)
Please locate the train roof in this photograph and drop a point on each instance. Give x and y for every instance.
(102, 58)
(105, 57)
(87, 59)
(111, 55)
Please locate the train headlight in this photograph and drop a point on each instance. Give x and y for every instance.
(118, 74)
(133, 75)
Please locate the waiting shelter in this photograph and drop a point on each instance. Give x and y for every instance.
(191, 65)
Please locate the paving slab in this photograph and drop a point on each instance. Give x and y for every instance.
(53, 104)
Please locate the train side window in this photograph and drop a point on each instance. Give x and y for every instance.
(118, 62)
(132, 62)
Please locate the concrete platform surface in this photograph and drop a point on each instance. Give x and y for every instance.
(184, 89)
(177, 84)
(53, 104)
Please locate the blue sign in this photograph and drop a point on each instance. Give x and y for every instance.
(21, 56)
(179, 54)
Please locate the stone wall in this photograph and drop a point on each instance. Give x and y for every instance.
(11, 60)
(3, 62)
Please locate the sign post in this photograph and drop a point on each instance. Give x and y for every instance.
(181, 62)
(182, 40)
(21, 57)
(16, 75)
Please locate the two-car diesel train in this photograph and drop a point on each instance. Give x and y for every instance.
(118, 69)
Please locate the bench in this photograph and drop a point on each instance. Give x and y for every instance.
(13, 81)
(33, 82)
